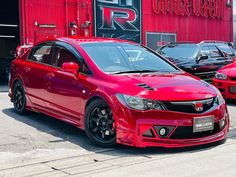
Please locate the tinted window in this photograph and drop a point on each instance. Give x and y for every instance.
(180, 51)
(214, 52)
(41, 54)
(118, 57)
(205, 51)
(62, 55)
(226, 49)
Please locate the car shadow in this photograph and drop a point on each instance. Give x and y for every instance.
(67, 132)
(232, 134)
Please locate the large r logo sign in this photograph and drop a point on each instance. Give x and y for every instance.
(118, 19)
(122, 17)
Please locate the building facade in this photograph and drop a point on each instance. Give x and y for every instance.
(149, 22)
(234, 31)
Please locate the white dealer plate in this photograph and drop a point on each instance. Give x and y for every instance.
(202, 124)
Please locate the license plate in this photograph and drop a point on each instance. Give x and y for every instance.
(202, 124)
(233, 89)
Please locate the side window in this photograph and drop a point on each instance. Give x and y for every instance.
(214, 52)
(205, 51)
(226, 50)
(62, 55)
(41, 54)
(84, 69)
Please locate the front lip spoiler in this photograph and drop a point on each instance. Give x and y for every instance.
(170, 143)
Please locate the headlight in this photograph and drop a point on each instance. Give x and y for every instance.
(140, 103)
(221, 76)
(219, 99)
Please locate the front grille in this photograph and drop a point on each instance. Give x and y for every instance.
(189, 106)
(233, 78)
(187, 132)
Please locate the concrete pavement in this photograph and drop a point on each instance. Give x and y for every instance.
(38, 145)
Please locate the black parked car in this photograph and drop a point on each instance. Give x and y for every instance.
(202, 59)
(4, 69)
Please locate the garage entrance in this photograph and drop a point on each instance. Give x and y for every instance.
(9, 35)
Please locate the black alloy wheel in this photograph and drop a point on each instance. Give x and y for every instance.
(99, 124)
(19, 99)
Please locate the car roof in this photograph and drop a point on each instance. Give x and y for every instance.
(206, 42)
(82, 40)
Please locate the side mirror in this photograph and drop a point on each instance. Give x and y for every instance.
(202, 57)
(70, 67)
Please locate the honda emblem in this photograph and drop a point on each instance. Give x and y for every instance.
(198, 106)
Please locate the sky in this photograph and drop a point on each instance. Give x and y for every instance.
(234, 6)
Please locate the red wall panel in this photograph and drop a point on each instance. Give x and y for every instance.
(61, 12)
(188, 28)
(34, 15)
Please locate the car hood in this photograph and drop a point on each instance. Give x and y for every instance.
(229, 70)
(173, 87)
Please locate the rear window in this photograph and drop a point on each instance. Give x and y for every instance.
(226, 50)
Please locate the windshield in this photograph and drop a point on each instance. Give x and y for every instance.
(180, 51)
(124, 57)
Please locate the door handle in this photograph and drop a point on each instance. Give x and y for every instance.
(27, 69)
(50, 75)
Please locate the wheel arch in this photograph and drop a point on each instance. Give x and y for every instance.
(100, 95)
(106, 97)
(16, 79)
(91, 99)
(98, 98)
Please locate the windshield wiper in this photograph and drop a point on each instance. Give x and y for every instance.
(135, 71)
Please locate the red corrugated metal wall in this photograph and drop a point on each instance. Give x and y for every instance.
(48, 18)
(60, 13)
(188, 28)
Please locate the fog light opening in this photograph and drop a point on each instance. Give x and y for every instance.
(163, 131)
(149, 133)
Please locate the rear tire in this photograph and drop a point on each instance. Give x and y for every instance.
(99, 124)
(19, 99)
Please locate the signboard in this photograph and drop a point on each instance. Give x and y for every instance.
(118, 19)
(205, 8)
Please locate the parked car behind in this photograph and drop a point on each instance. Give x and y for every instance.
(118, 92)
(225, 81)
(4, 69)
(200, 59)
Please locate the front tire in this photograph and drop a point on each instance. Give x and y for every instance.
(99, 124)
(19, 99)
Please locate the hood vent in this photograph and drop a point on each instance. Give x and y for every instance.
(145, 86)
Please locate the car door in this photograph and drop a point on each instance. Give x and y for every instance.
(206, 69)
(35, 68)
(202, 68)
(66, 91)
(220, 59)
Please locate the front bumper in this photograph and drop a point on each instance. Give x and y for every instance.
(131, 129)
(224, 87)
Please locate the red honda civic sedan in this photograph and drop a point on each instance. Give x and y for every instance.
(225, 81)
(118, 92)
